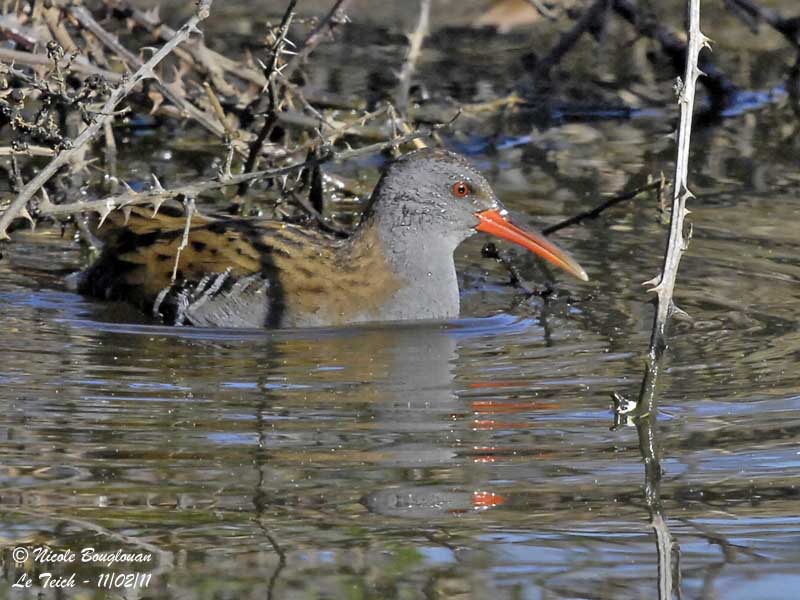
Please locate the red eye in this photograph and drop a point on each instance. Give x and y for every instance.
(461, 189)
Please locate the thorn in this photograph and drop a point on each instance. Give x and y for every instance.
(129, 189)
(156, 206)
(126, 214)
(26, 215)
(290, 42)
(156, 183)
(105, 211)
(679, 314)
(653, 282)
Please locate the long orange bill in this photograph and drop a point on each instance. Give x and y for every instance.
(496, 223)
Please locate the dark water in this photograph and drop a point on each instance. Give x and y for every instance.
(471, 459)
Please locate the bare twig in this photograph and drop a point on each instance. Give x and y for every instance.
(509, 261)
(77, 65)
(106, 113)
(610, 202)
(416, 40)
(571, 37)
(334, 18)
(789, 28)
(188, 205)
(26, 151)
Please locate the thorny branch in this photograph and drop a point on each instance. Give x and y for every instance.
(678, 241)
(158, 195)
(332, 20)
(271, 70)
(645, 410)
(18, 208)
(311, 123)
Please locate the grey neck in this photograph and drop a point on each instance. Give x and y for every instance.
(421, 256)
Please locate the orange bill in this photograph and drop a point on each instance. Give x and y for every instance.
(496, 223)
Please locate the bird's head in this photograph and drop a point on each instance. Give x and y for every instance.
(439, 193)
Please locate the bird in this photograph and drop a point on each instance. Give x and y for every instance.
(397, 265)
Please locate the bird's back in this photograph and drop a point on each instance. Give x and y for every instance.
(235, 272)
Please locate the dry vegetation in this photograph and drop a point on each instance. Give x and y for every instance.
(73, 71)
(70, 79)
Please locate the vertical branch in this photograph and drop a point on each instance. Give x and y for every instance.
(415, 47)
(667, 549)
(271, 71)
(664, 284)
(644, 413)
